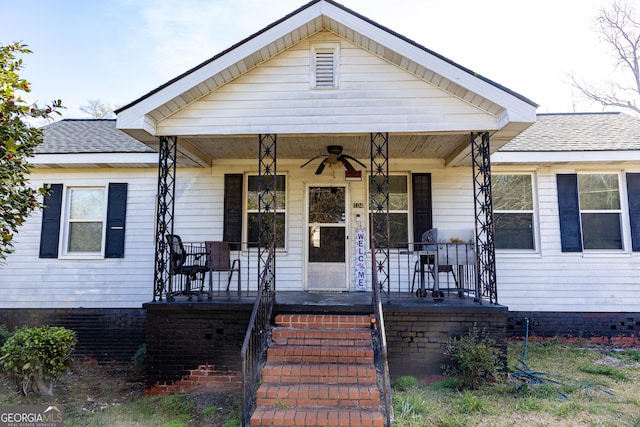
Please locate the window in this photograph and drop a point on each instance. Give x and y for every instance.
(84, 220)
(590, 211)
(398, 208)
(600, 211)
(253, 192)
(88, 222)
(324, 66)
(513, 215)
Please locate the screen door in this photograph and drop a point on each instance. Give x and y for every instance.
(327, 239)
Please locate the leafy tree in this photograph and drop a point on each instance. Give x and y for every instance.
(18, 140)
(97, 109)
(619, 27)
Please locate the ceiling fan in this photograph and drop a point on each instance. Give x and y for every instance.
(334, 159)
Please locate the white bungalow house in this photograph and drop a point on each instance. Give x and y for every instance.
(321, 149)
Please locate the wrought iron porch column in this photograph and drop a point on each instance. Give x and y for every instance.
(165, 202)
(267, 207)
(380, 230)
(483, 209)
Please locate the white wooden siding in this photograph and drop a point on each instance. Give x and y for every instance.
(544, 280)
(30, 282)
(551, 280)
(372, 95)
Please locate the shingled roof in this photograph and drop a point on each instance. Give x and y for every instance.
(612, 131)
(72, 136)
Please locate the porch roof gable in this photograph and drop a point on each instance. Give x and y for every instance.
(513, 111)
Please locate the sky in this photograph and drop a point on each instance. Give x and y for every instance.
(118, 50)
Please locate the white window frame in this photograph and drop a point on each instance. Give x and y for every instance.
(534, 212)
(622, 212)
(320, 48)
(246, 211)
(66, 224)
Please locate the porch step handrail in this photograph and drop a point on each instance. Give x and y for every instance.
(381, 344)
(255, 339)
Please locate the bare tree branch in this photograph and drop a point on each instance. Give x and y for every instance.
(97, 109)
(619, 28)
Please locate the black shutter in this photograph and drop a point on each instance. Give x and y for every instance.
(422, 212)
(116, 220)
(633, 193)
(232, 228)
(50, 230)
(569, 212)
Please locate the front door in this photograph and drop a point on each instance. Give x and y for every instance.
(326, 267)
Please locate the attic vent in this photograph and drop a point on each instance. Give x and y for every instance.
(324, 69)
(324, 66)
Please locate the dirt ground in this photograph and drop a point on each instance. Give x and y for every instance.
(90, 388)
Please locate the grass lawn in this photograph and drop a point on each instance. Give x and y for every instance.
(577, 387)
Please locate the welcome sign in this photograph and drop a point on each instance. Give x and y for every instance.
(361, 259)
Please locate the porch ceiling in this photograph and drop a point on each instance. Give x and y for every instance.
(203, 150)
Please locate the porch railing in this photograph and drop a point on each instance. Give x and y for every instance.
(404, 271)
(381, 347)
(255, 340)
(412, 264)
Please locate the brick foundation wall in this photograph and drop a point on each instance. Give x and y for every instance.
(104, 334)
(183, 336)
(416, 339)
(597, 328)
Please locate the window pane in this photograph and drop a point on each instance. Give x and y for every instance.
(398, 226)
(326, 205)
(598, 191)
(398, 198)
(512, 192)
(326, 244)
(87, 203)
(252, 229)
(513, 231)
(253, 191)
(85, 237)
(601, 231)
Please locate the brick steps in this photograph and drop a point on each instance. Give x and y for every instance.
(320, 372)
(320, 354)
(318, 395)
(317, 417)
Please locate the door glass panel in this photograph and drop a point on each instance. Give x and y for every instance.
(326, 205)
(326, 244)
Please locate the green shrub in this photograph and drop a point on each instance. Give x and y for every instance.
(405, 383)
(140, 356)
(35, 357)
(4, 335)
(474, 359)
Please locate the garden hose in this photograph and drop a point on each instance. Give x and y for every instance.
(528, 377)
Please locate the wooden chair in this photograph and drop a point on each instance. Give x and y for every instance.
(219, 259)
(186, 264)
